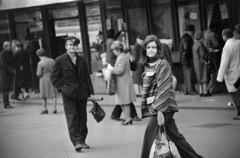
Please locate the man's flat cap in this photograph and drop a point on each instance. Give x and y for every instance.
(74, 39)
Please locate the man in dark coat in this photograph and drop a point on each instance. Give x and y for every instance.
(22, 60)
(186, 59)
(71, 77)
(8, 69)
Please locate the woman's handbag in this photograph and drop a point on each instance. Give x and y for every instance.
(111, 85)
(163, 147)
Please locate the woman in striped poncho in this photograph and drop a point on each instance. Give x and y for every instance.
(158, 99)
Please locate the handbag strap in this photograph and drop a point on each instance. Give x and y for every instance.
(165, 132)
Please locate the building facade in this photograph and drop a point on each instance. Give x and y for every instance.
(47, 23)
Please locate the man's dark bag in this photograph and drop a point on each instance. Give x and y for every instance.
(97, 112)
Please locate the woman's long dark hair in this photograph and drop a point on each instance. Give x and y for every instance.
(148, 39)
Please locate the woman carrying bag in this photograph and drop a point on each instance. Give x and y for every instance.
(158, 98)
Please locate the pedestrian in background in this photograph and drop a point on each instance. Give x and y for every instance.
(137, 74)
(47, 90)
(200, 55)
(158, 98)
(237, 32)
(99, 45)
(213, 46)
(71, 77)
(230, 67)
(125, 92)
(186, 59)
(8, 70)
(22, 59)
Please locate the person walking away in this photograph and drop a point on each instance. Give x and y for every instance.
(70, 75)
(186, 59)
(200, 55)
(230, 67)
(8, 70)
(47, 90)
(158, 99)
(22, 59)
(137, 75)
(125, 92)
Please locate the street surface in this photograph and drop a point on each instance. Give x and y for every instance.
(24, 133)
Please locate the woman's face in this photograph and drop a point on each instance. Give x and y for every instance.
(116, 52)
(151, 49)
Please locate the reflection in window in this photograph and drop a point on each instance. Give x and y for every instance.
(218, 14)
(66, 23)
(4, 29)
(162, 21)
(137, 20)
(188, 14)
(28, 25)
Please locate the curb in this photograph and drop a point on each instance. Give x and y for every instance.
(227, 108)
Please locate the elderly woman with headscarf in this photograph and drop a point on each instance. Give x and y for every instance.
(125, 92)
(47, 90)
(158, 99)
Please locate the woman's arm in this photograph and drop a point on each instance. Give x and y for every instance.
(120, 67)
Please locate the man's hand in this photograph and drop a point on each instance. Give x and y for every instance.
(160, 118)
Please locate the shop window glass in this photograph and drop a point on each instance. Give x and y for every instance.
(137, 19)
(188, 14)
(162, 21)
(66, 23)
(218, 13)
(96, 45)
(28, 24)
(113, 14)
(4, 29)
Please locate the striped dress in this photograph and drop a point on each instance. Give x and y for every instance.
(157, 84)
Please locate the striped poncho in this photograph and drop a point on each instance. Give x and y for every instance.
(157, 84)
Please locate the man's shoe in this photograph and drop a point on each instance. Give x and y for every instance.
(136, 119)
(230, 104)
(78, 147)
(236, 117)
(117, 119)
(85, 146)
(8, 107)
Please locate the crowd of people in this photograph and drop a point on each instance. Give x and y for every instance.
(148, 65)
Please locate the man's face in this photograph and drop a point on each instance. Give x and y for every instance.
(224, 37)
(71, 47)
(7, 46)
(191, 33)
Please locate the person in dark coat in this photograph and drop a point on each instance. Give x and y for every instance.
(100, 44)
(200, 55)
(137, 75)
(8, 70)
(71, 77)
(22, 59)
(186, 59)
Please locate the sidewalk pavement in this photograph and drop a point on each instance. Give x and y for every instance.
(215, 102)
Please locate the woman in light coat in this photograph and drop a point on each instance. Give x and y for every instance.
(125, 92)
(47, 90)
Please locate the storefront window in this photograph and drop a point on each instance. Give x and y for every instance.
(162, 21)
(218, 14)
(28, 24)
(4, 29)
(66, 23)
(96, 44)
(188, 14)
(137, 19)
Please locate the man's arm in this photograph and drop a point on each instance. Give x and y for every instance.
(56, 75)
(224, 65)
